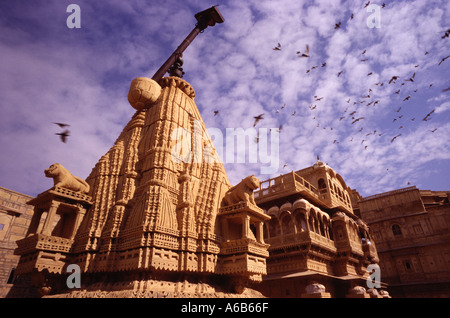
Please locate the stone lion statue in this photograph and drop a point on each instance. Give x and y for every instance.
(243, 191)
(315, 288)
(357, 290)
(64, 179)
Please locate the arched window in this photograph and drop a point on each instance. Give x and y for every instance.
(396, 230)
(321, 184)
(288, 226)
(265, 231)
(301, 222)
(274, 227)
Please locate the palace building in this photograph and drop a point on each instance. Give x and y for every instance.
(411, 229)
(316, 240)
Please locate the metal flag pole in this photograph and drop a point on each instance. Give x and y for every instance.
(208, 17)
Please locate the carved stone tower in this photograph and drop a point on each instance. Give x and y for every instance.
(154, 210)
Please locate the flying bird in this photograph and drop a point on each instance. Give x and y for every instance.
(443, 59)
(216, 112)
(367, 4)
(392, 140)
(428, 115)
(62, 125)
(407, 98)
(446, 89)
(64, 135)
(364, 52)
(363, 60)
(277, 48)
(306, 53)
(257, 119)
(411, 79)
(446, 34)
(337, 25)
(397, 92)
(357, 119)
(433, 130)
(393, 79)
(369, 74)
(398, 109)
(339, 73)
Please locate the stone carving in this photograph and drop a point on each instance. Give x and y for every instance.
(357, 290)
(315, 288)
(64, 179)
(143, 92)
(243, 191)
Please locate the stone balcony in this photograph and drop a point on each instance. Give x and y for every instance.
(43, 242)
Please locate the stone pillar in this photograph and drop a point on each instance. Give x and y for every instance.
(78, 218)
(35, 220)
(47, 229)
(245, 226)
(260, 232)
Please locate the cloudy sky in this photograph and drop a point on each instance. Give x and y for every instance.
(337, 103)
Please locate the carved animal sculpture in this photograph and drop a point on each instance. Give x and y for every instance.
(64, 179)
(315, 288)
(243, 191)
(358, 290)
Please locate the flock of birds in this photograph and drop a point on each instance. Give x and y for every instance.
(399, 80)
(364, 99)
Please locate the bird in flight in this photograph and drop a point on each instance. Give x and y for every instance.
(216, 112)
(257, 119)
(446, 34)
(443, 59)
(428, 115)
(64, 135)
(357, 119)
(306, 53)
(407, 98)
(393, 79)
(411, 79)
(277, 48)
(446, 89)
(433, 130)
(62, 125)
(392, 140)
(337, 25)
(339, 73)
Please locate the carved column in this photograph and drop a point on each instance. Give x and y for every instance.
(47, 229)
(260, 232)
(34, 224)
(245, 226)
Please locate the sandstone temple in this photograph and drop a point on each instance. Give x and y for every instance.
(152, 220)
